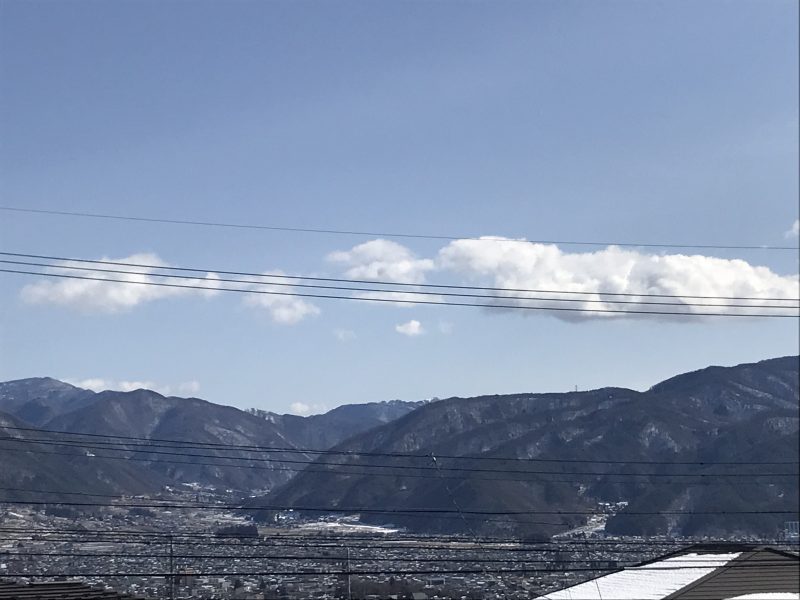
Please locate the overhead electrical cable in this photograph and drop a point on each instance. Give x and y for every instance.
(404, 293)
(63, 259)
(456, 546)
(280, 535)
(404, 541)
(564, 565)
(321, 557)
(737, 474)
(319, 572)
(393, 511)
(385, 234)
(496, 306)
(99, 446)
(455, 555)
(607, 477)
(378, 536)
(162, 442)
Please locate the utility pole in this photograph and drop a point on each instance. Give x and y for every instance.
(349, 592)
(171, 582)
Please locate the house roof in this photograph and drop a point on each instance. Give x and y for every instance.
(699, 572)
(758, 571)
(651, 581)
(57, 590)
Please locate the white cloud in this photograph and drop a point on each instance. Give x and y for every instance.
(112, 297)
(285, 310)
(382, 260)
(344, 335)
(412, 328)
(510, 264)
(94, 384)
(129, 386)
(794, 230)
(186, 388)
(189, 388)
(100, 296)
(302, 409)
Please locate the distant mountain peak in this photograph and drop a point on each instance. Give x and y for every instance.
(746, 412)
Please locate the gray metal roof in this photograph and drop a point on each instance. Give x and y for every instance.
(758, 571)
(704, 572)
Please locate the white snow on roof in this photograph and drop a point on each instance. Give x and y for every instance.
(648, 582)
(769, 596)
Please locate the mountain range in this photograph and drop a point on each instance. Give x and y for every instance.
(53, 405)
(550, 458)
(746, 413)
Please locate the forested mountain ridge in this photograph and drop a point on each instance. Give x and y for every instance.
(743, 413)
(53, 405)
(552, 458)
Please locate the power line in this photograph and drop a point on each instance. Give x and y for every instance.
(387, 283)
(403, 301)
(401, 541)
(515, 555)
(300, 557)
(575, 547)
(502, 519)
(420, 476)
(404, 475)
(675, 563)
(679, 477)
(410, 537)
(371, 543)
(385, 234)
(388, 291)
(407, 555)
(391, 475)
(320, 572)
(157, 442)
(394, 511)
(384, 466)
(293, 534)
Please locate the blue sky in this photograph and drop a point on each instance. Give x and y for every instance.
(612, 121)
